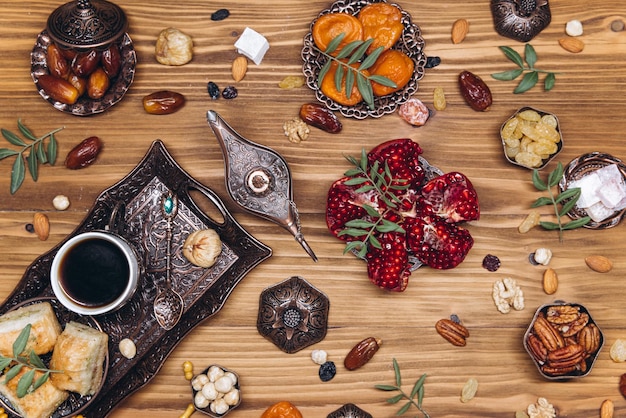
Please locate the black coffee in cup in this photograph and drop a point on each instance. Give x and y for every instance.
(94, 272)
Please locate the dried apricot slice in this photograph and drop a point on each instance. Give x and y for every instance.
(327, 27)
(282, 409)
(329, 88)
(381, 22)
(396, 66)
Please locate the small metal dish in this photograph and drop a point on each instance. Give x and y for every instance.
(544, 161)
(575, 327)
(293, 314)
(349, 410)
(211, 375)
(410, 42)
(85, 106)
(580, 167)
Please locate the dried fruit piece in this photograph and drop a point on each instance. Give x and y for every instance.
(202, 247)
(439, 99)
(58, 89)
(230, 92)
(163, 102)
(531, 220)
(98, 84)
(213, 90)
(469, 390)
(396, 66)
(41, 224)
(282, 409)
(78, 82)
(327, 27)
(599, 263)
(362, 353)
(573, 45)
(327, 371)
(83, 154)
(220, 14)
(460, 29)
(173, 47)
(618, 351)
(491, 262)
(414, 112)
(381, 22)
(550, 281)
(453, 332)
(291, 82)
(320, 117)
(56, 62)
(239, 68)
(85, 63)
(111, 61)
(475, 91)
(622, 385)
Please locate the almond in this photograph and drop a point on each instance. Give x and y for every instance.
(606, 410)
(41, 225)
(240, 66)
(460, 29)
(573, 45)
(599, 263)
(550, 281)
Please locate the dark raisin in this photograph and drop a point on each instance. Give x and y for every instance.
(220, 14)
(229, 92)
(432, 62)
(491, 262)
(29, 228)
(327, 371)
(531, 259)
(213, 90)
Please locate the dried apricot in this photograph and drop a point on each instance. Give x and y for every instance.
(329, 88)
(381, 22)
(396, 66)
(282, 409)
(327, 27)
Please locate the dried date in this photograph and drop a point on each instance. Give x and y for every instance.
(320, 117)
(111, 61)
(362, 353)
(98, 84)
(84, 154)
(163, 102)
(56, 62)
(86, 63)
(58, 89)
(475, 92)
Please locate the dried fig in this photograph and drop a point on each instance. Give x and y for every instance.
(202, 247)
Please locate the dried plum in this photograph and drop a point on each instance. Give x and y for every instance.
(220, 14)
(327, 371)
(491, 262)
(230, 92)
(432, 62)
(213, 89)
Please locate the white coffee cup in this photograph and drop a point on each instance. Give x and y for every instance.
(94, 273)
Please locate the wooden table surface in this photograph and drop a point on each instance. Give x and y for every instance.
(589, 99)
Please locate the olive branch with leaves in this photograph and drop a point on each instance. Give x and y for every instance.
(382, 183)
(525, 65)
(350, 54)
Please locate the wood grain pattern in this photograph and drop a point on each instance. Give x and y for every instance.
(589, 99)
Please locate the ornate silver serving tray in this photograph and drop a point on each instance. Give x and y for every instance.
(204, 291)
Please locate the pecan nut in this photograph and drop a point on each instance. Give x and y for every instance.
(537, 349)
(549, 336)
(567, 356)
(453, 332)
(589, 338)
(562, 314)
(572, 328)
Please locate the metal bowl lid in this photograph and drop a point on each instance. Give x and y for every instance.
(86, 24)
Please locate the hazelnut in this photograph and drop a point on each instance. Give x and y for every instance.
(61, 202)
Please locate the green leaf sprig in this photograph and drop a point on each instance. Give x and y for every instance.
(532, 74)
(20, 359)
(414, 398)
(567, 199)
(354, 52)
(38, 153)
(370, 179)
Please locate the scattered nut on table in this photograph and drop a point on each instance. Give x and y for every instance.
(319, 356)
(574, 28)
(61, 202)
(128, 348)
(506, 294)
(296, 130)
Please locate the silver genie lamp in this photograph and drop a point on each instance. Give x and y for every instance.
(258, 179)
